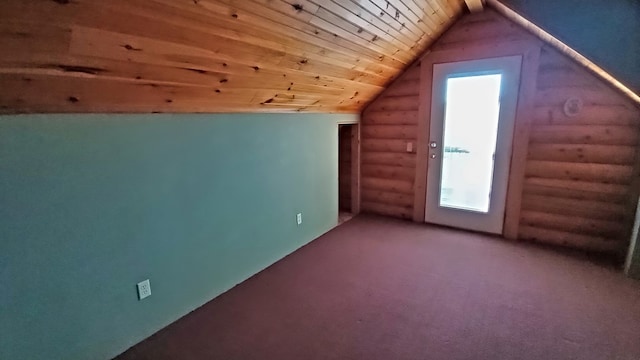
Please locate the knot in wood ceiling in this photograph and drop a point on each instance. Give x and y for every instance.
(210, 55)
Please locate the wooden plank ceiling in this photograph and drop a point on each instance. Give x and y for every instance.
(209, 55)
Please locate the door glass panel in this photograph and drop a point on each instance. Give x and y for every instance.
(469, 144)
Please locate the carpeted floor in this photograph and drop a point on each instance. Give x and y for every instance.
(382, 289)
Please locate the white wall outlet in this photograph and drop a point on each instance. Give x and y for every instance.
(409, 147)
(299, 218)
(144, 289)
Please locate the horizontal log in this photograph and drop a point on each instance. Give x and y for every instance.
(390, 117)
(583, 153)
(387, 198)
(394, 159)
(560, 75)
(601, 193)
(483, 17)
(404, 88)
(584, 242)
(386, 145)
(605, 173)
(397, 186)
(395, 103)
(589, 96)
(389, 132)
(552, 63)
(488, 44)
(590, 115)
(388, 210)
(551, 56)
(477, 31)
(592, 134)
(574, 224)
(609, 189)
(412, 73)
(599, 210)
(388, 172)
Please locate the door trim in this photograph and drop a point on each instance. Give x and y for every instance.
(492, 221)
(530, 52)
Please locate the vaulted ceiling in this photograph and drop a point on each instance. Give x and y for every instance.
(209, 55)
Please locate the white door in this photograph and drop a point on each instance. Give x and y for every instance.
(473, 112)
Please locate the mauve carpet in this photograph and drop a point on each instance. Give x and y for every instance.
(377, 288)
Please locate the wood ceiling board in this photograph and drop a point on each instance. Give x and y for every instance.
(330, 50)
(294, 45)
(210, 55)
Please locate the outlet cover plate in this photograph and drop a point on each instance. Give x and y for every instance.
(144, 289)
(299, 218)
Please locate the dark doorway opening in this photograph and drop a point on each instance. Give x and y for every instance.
(346, 134)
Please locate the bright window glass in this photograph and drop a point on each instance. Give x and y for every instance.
(470, 133)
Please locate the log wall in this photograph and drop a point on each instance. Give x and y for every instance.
(388, 156)
(581, 170)
(580, 173)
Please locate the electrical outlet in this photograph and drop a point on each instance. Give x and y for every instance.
(144, 289)
(299, 218)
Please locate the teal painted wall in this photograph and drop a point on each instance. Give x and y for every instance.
(606, 32)
(92, 204)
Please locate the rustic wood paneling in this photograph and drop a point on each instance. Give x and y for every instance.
(389, 135)
(578, 174)
(580, 169)
(210, 55)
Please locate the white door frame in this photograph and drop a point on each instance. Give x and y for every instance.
(493, 220)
